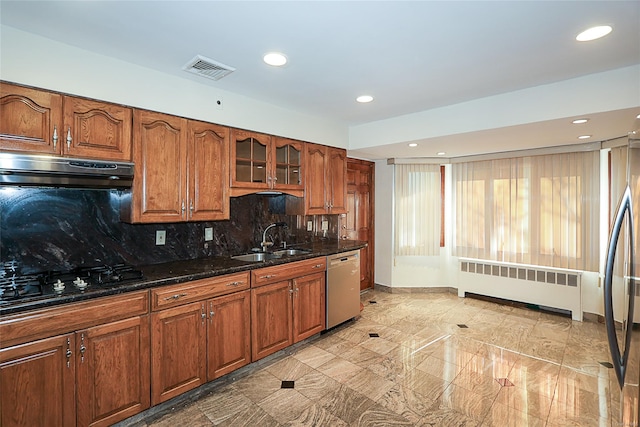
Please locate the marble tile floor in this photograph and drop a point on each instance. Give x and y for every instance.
(438, 360)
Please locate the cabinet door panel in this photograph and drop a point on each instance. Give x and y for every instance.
(337, 180)
(315, 165)
(208, 168)
(308, 306)
(288, 166)
(29, 118)
(271, 323)
(229, 338)
(178, 351)
(250, 159)
(112, 371)
(37, 384)
(97, 129)
(159, 189)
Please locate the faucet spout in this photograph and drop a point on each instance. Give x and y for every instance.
(264, 242)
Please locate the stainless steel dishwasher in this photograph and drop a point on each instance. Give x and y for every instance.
(343, 287)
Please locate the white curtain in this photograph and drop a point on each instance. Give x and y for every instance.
(539, 210)
(417, 209)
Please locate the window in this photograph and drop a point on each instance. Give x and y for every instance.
(417, 209)
(540, 210)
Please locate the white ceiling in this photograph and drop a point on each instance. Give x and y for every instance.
(411, 56)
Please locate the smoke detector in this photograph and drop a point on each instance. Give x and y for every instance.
(208, 68)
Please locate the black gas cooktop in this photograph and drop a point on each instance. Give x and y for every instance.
(17, 287)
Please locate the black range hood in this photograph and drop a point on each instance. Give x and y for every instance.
(51, 171)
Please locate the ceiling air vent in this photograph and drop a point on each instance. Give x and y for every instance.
(208, 68)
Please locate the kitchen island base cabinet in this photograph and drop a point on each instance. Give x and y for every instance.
(112, 371)
(37, 383)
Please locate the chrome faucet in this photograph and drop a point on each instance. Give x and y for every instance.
(266, 244)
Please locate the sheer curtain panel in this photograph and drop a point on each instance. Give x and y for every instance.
(540, 210)
(417, 209)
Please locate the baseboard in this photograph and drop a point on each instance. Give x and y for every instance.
(414, 290)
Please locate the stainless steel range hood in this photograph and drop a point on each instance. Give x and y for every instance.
(51, 171)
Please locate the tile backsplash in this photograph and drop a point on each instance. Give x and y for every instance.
(59, 228)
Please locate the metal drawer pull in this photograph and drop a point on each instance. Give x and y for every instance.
(317, 266)
(175, 297)
(235, 283)
(268, 276)
(55, 137)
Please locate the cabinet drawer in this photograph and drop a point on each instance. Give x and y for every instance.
(47, 322)
(197, 290)
(277, 273)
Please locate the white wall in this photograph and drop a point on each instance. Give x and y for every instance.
(36, 61)
(383, 211)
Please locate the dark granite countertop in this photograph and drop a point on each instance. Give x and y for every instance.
(176, 272)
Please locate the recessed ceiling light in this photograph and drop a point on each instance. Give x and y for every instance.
(364, 98)
(413, 144)
(441, 153)
(584, 137)
(579, 121)
(593, 33)
(275, 58)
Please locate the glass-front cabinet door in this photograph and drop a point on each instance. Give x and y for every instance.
(250, 154)
(288, 165)
(261, 162)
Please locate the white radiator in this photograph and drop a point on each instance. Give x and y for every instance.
(548, 287)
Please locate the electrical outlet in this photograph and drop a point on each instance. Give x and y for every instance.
(325, 225)
(309, 225)
(161, 237)
(208, 234)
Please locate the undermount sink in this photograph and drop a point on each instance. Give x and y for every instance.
(290, 252)
(257, 257)
(265, 256)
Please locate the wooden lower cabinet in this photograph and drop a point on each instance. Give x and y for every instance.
(228, 335)
(37, 383)
(286, 312)
(271, 319)
(309, 312)
(93, 377)
(112, 371)
(178, 343)
(194, 343)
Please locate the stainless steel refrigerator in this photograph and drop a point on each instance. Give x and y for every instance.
(622, 284)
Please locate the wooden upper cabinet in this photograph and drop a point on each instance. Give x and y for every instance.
(262, 162)
(40, 121)
(325, 186)
(181, 170)
(337, 175)
(159, 192)
(250, 154)
(31, 120)
(96, 130)
(208, 167)
(287, 168)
